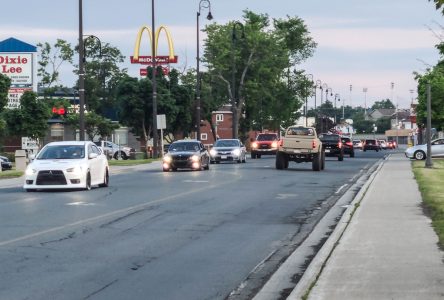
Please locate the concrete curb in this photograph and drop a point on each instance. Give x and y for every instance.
(316, 266)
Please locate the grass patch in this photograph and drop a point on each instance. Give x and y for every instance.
(430, 181)
(130, 162)
(10, 174)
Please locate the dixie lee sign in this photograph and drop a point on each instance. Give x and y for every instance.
(18, 67)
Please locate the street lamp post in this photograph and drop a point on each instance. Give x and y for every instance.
(202, 4)
(233, 77)
(337, 97)
(365, 102)
(429, 163)
(306, 100)
(154, 82)
(81, 76)
(322, 88)
(318, 84)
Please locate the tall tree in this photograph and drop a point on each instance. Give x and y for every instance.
(259, 55)
(51, 58)
(102, 74)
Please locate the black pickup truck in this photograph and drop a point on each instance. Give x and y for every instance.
(332, 144)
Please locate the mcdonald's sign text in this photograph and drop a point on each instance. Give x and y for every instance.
(148, 60)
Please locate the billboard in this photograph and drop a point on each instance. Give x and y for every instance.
(18, 67)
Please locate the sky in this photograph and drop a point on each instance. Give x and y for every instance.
(367, 45)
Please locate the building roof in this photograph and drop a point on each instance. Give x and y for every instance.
(14, 45)
(386, 112)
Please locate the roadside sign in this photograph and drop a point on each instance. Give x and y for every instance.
(29, 143)
(161, 122)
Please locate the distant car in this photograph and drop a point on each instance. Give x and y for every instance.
(114, 150)
(265, 143)
(348, 146)
(332, 145)
(357, 144)
(419, 152)
(383, 144)
(67, 165)
(6, 164)
(370, 144)
(186, 154)
(228, 150)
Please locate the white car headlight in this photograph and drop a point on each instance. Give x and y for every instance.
(195, 158)
(236, 152)
(76, 169)
(167, 159)
(213, 152)
(30, 171)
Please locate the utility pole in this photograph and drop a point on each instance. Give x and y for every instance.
(429, 163)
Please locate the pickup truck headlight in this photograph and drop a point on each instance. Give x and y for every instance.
(274, 144)
(254, 145)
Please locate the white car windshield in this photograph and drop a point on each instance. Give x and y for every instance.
(226, 143)
(62, 152)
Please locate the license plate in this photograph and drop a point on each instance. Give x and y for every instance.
(296, 151)
(327, 150)
(223, 157)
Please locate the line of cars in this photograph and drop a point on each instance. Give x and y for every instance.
(374, 144)
(192, 154)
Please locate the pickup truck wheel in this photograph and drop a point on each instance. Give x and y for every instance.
(341, 157)
(323, 160)
(253, 156)
(316, 163)
(258, 155)
(280, 161)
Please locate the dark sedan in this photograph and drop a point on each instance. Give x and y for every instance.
(332, 145)
(6, 164)
(186, 154)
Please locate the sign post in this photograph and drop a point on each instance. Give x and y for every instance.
(161, 124)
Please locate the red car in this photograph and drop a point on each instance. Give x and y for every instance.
(265, 143)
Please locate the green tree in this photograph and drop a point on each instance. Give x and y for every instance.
(383, 104)
(438, 4)
(5, 83)
(264, 85)
(102, 74)
(31, 119)
(51, 58)
(95, 125)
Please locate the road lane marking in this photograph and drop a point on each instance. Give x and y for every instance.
(340, 188)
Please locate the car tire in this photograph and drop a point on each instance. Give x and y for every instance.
(316, 163)
(419, 155)
(88, 182)
(280, 161)
(253, 155)
(30, 190)
(352, 154)
(245, 159)
(323, 160)
(207, 167)
(166, 169)
(105, 180)
(121, 154)
(341, 157)
(211, 161)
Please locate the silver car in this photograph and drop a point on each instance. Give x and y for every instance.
(228, 150)
(419, 152)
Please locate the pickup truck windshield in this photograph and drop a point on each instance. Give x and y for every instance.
(267, 137)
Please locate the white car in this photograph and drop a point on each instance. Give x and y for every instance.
(67, 165)
(228, 150)
(114, 150)
(419, 152)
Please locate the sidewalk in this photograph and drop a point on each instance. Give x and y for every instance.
(389, 250)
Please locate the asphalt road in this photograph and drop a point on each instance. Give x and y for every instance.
(155, 235)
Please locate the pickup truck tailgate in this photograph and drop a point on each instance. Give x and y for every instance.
(298, 142)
